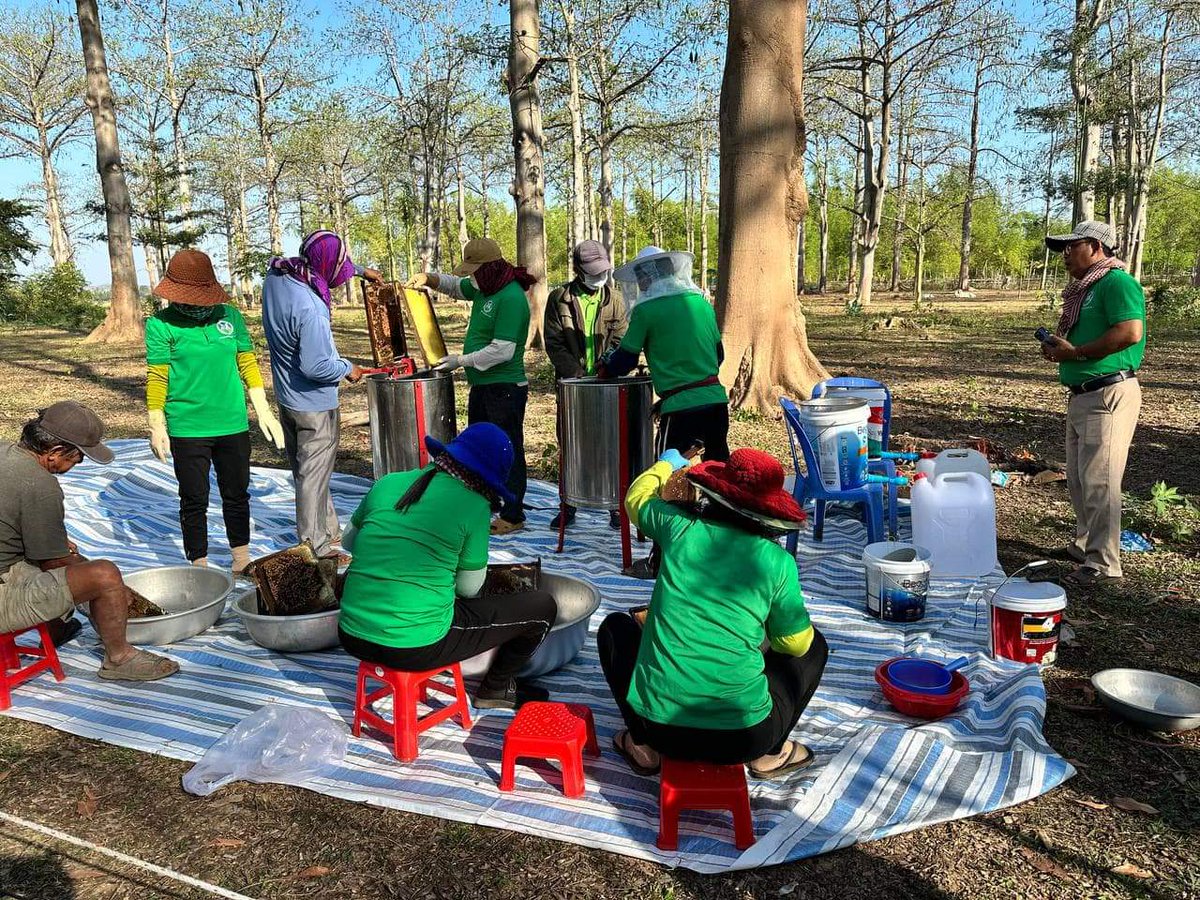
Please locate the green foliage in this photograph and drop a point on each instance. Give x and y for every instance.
(1175, 303)
(854, 309)
(1166, 515)
(15, 243)
(58, 297)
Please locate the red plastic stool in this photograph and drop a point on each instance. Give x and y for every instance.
(11, 673)
(407, 690)
(687, 785)
(562, 731)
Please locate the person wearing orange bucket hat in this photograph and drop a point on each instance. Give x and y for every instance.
(198, 355)
(693, 682)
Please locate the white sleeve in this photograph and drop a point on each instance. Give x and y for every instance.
(493, 354)
(469, 582)
(450, 285)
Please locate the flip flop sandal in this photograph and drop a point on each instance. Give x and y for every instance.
(799, 758)
(1086, 576)
(142, 666)
(619, 744)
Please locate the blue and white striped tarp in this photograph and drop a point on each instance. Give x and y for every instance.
(877, 772)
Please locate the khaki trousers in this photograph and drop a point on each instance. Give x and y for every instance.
(1100, 427)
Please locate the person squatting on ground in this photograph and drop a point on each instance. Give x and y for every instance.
(198, 354)
(585, 319)
(42, 576)
(493, 353)
(306, 370)
(694, 682)
(420, 543)
(1099, 345)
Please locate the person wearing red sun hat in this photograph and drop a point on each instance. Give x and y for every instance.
(693, 683)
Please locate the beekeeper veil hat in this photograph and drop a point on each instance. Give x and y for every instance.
(655, 272)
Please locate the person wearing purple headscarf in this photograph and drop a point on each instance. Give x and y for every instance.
(306, 368)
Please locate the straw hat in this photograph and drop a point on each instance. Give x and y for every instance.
(190, 280)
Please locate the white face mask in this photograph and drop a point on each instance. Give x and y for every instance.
(474, 282)
(594, 282)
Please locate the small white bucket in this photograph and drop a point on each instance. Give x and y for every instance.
(897, 580)
(837, 430)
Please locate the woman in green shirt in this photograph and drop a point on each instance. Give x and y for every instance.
(198, 354)
(693, 682)
(420, 545)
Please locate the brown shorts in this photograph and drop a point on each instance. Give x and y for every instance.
(29, 596)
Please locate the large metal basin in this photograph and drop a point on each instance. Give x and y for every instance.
(1150, 699)
(403, 411)
(193, 598)
(576, 600)
(590, 431)
(288, 634)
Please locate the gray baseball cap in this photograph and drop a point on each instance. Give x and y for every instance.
(1085, 231)
(590, 258)
(75, 424)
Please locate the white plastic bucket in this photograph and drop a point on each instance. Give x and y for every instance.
(897, 580)
(1026, 617)
(876, 399)
(837, 429)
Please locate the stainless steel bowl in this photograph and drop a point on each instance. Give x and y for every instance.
(287, 634)
(193, 598)
(577, 600)
(1150, 699)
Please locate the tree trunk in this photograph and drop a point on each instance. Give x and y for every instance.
(579, 198)
(529, 184)
(875, 174)
(1147, 158)
(855, 228)
(902, 141)
(964, 247)
(625, 216)
(801, 245)
(461, 204)
(703, 211)
(484, 172)
(230, 248)
(1088, 14)
(762, 199)
(124, 319)
(389, 238)
(606, 196)
(60, 242)
(823, 223)
(182, 172)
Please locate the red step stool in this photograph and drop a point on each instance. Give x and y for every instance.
(687, 785)
(407, 690)
(562, 731)
(11, 672)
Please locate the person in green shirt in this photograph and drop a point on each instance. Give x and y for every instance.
(585, 318)
(693, 683)
(420, 543)
(198, 354)
(493, 352)
(1099, 345)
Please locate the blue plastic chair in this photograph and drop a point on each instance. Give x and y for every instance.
(874, 466)
(810, 487)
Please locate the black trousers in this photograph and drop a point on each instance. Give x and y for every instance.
(504, 406)
(515, 624)
(230, 456)
(791, 681)
(679, 430)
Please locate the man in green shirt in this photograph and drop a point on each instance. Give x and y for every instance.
(585, 318)
(1098, 345)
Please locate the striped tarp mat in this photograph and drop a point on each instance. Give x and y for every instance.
(877, 772)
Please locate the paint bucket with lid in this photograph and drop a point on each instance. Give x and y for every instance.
(837, 429)
(1026, 617)
(897, 580)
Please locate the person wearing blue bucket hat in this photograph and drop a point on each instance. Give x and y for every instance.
(412, 597)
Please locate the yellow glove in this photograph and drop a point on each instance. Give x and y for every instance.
(267, 422)
(160, 442)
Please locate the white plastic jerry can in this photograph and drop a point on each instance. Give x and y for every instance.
(954, 516)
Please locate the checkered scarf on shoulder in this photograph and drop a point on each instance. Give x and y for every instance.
(452, 467)
(1077, 289)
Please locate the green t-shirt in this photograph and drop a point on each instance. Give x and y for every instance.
(720, 592)
(589, 305)
(399, 591)
(679, 336)
(204, 389)
(1117, 297)
(504, 316)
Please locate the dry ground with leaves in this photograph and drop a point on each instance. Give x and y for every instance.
(1127, 826)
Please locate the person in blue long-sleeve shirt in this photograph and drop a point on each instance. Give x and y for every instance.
(307, 369)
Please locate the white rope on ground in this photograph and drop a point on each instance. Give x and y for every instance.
(122, 857)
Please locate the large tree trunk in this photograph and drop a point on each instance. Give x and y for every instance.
(60, 242)
(964, 247)
(1088, 14)
(875, 175)
(529, 182)
(124, 319)
(762, 198)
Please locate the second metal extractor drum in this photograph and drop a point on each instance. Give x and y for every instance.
(590, 435)
(403, 411)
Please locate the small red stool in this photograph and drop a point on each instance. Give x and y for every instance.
(11, 673)
(562, 731)
(407, 690)
(687, 785)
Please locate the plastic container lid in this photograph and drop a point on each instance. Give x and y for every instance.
(1020, 595)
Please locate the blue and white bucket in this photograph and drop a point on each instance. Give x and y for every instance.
(897, 580)
(837, 429)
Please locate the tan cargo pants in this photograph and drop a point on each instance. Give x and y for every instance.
(1100, 427)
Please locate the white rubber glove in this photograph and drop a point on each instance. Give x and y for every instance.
(160, 441)
(449, 363)
(267, 422)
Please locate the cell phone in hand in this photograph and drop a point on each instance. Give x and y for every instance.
(1043, 336)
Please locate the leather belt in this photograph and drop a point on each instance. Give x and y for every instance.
(1094, 384)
